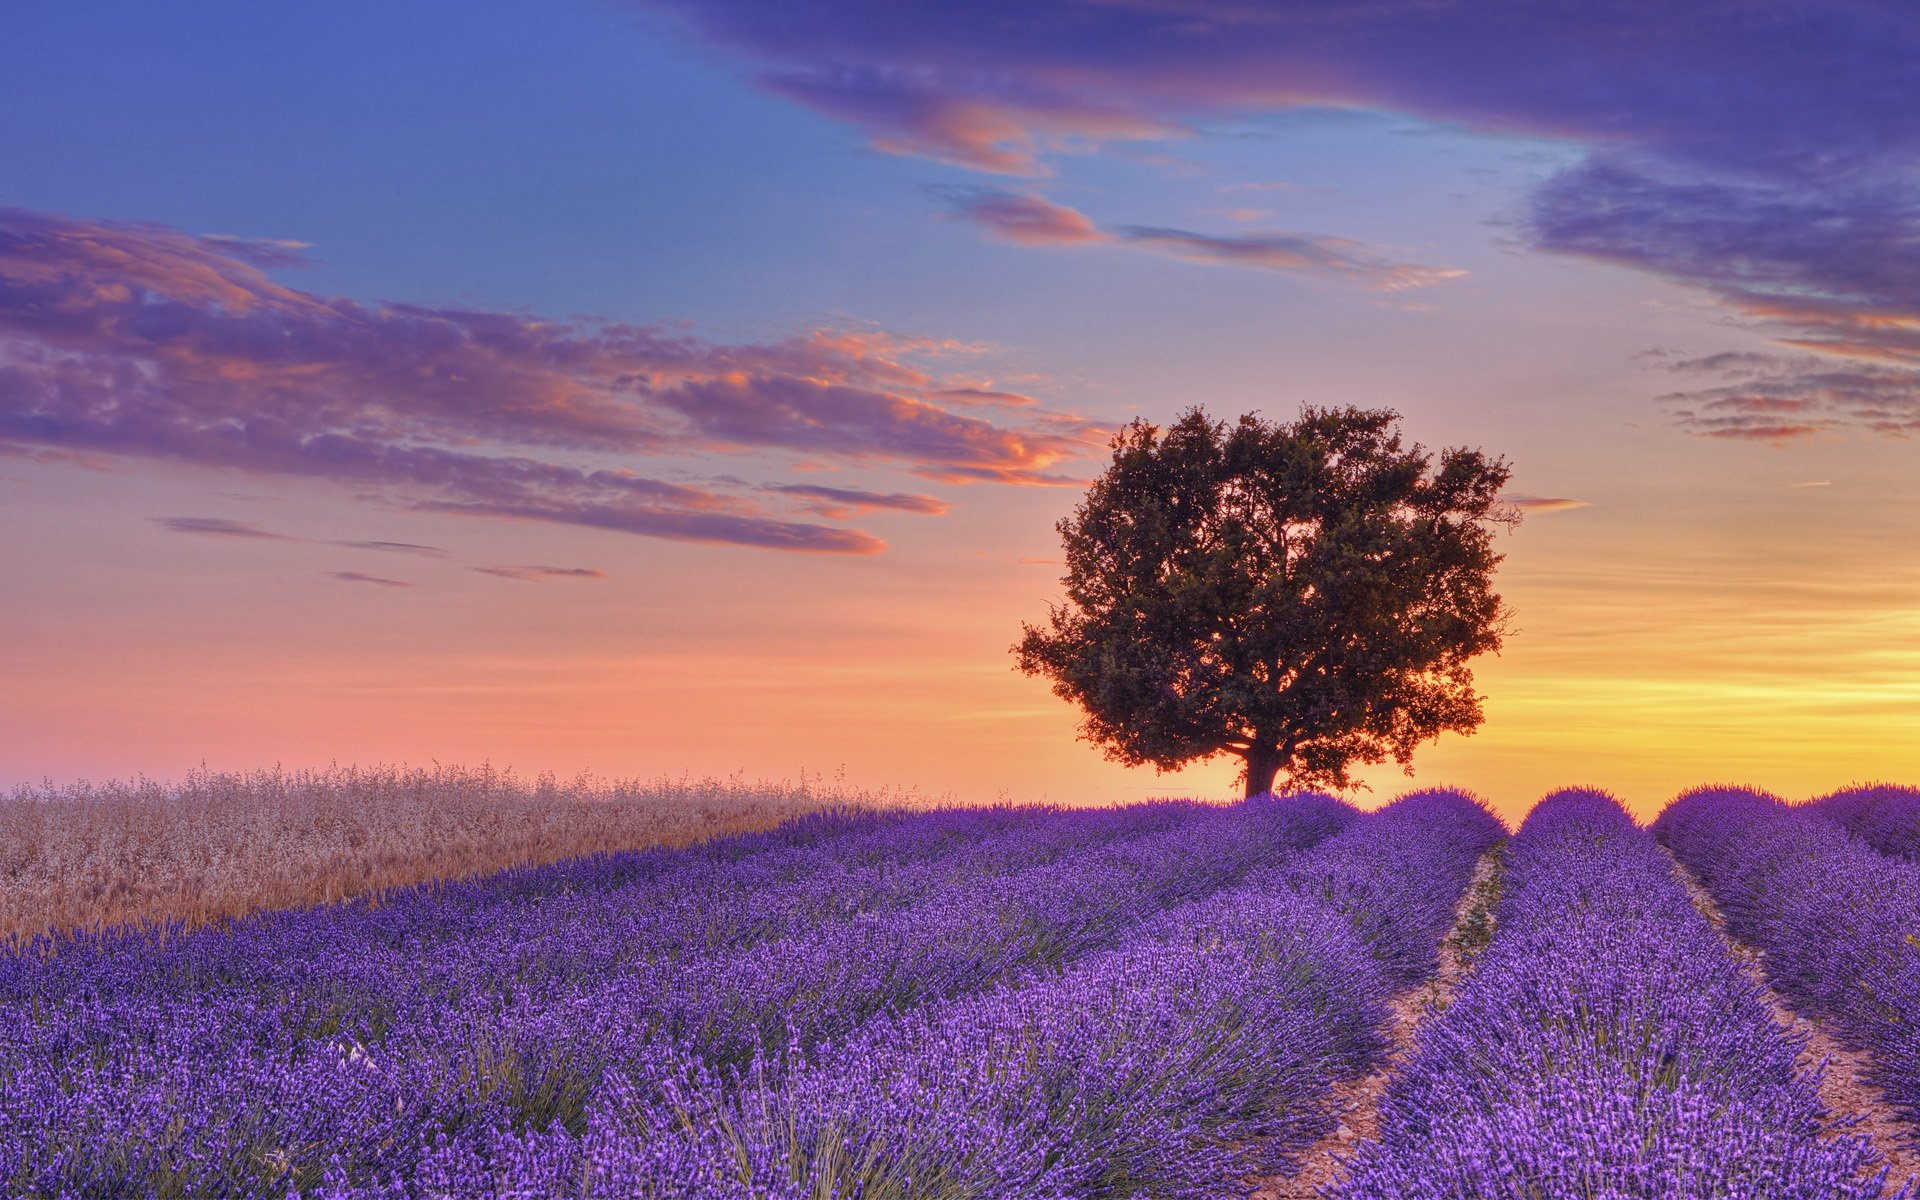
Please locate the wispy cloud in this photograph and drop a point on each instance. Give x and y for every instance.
(840, 503)
(1298, 253)
(1031, 220)
(1007, 131)
(357, 577)
(1812, 483)
(396, 548)
(220, 527)
(1544, 504)
(134, 339)
(1782, 398)
(1023, 219)
(537, 574)
(1830, 270)
(983, 395)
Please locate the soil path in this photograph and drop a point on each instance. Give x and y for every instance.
(1854, 1105)
(1357, 1101)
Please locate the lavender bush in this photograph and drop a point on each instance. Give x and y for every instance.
(639, 905)
(1837, 920)
(1885, 817)
(1606, 1046)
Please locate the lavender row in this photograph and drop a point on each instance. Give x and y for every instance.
(1885, 817)
(367, 1073)
(625, 907)
(823, 982)
(659, 942)
(1836, 919)
(1607, 1046)
(417, 916)
(1176, 1065)
(1398, 878)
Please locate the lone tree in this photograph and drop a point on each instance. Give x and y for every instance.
(1303, 595)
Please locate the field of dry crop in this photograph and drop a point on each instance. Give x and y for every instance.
(218, 844)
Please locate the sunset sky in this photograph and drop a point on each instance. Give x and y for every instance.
(693, 385)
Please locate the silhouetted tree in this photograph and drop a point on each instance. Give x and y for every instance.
(1303, 595)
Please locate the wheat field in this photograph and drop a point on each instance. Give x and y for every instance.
(219, 844)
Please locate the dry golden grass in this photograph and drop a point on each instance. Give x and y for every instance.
(218, 845)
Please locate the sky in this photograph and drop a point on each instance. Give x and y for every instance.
(648, 387)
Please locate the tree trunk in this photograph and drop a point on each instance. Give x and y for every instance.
(1263, 763)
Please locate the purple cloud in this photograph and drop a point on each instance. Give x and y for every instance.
(134, 339)
(840, 503)
(1762, 152)
(536, 574)
(1830, 269)
(1800, 86)
(1779, 398)
(1030, 220)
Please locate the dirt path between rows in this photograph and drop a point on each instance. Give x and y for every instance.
(1357, 1101)
(1844, 1089)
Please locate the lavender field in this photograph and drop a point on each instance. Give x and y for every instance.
(1280, 997)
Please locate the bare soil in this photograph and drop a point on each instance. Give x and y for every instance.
(1357, 1101)
(1854, 1105)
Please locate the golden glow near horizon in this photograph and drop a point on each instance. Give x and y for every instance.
(1745, 645)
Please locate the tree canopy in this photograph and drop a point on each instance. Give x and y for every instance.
(1304, 595)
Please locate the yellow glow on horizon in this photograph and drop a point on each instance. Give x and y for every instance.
(1678, 631)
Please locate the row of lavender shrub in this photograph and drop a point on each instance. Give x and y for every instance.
(358, 1046)
(448, 976)
(1884, 816)
(728, 892)
(825, 981)
(1838, 921)
(1607, 1045)
(1195, 1055)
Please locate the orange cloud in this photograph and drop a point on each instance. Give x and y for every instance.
(1030, 220)
(1544, 504)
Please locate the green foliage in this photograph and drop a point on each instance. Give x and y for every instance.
(1475, 931)
(1303, 595)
